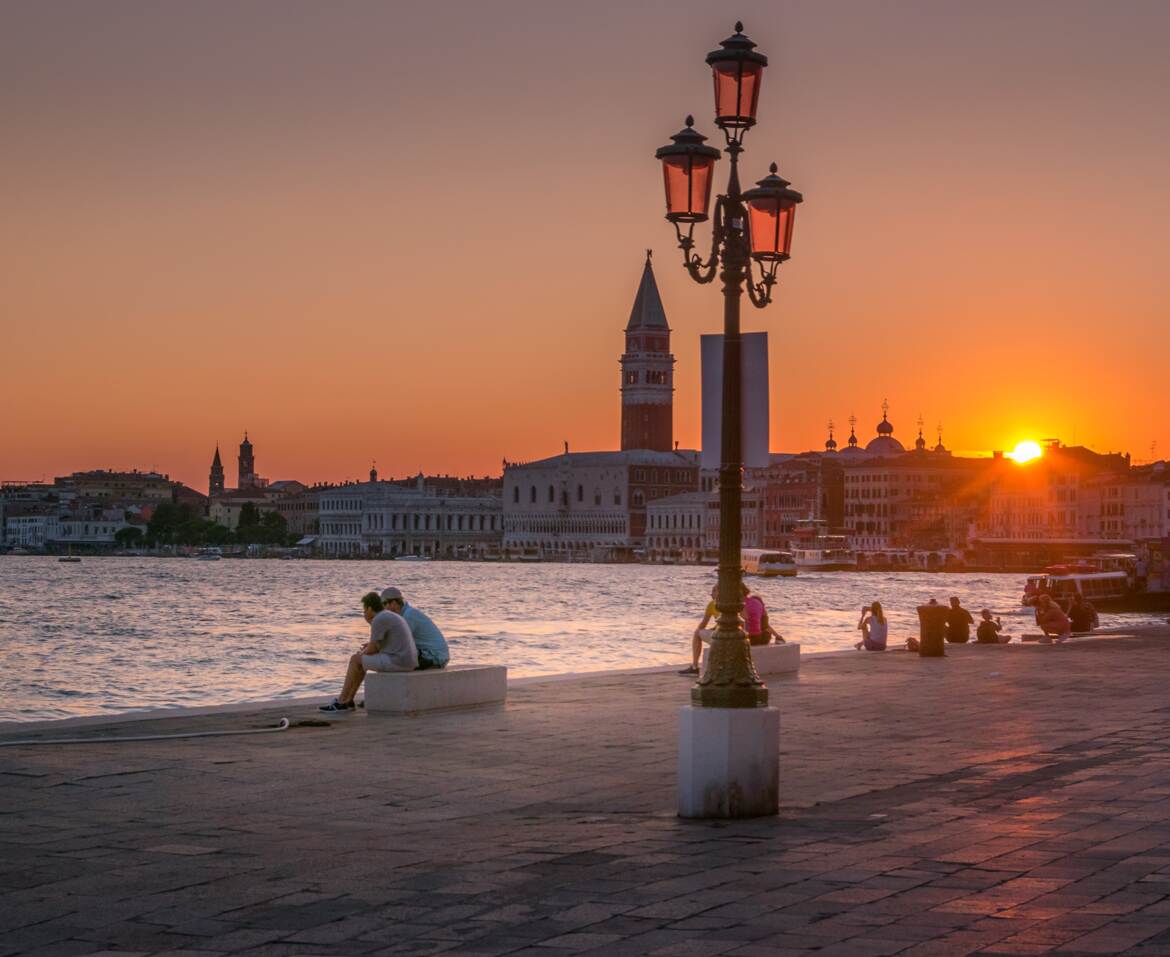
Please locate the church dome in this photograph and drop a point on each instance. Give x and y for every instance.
(920, 443)
(831, 444)
(884, 445)
(884, 427)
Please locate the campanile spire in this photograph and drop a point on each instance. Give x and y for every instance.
(647, 371)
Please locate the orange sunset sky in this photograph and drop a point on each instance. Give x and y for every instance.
(413, 232)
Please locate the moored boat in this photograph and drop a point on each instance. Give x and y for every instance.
(1106, 590)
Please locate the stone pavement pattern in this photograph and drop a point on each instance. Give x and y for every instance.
(1004, 800)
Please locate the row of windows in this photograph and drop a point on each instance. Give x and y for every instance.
(914, 477)
(380, 521)
(673, 542)
(689, 520)
(552, 496)
(652, 378)
(566, 526)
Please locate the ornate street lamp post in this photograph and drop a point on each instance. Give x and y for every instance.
(755, 225)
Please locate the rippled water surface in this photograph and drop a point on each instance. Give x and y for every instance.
(121, 634)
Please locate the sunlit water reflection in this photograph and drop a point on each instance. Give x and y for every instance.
(121, 634)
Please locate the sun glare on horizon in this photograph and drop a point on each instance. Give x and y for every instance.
(1026, 451)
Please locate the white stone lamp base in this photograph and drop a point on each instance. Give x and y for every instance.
(728, 762)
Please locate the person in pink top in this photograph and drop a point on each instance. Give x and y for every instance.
(1052, 620)
(755, 621)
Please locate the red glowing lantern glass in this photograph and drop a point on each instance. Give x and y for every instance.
(737, 70)
(771, 209)
(687, 168)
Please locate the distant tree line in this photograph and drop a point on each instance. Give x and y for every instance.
(181, 525)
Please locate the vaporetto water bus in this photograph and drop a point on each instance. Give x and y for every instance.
(768, 563)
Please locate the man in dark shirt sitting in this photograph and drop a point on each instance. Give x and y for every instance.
(988, 632)
(1081, 614)
(959, 622)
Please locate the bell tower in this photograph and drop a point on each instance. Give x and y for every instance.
(215, 478)
(647, 372)
(247, 464)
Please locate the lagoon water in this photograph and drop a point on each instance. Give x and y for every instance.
(110, 635)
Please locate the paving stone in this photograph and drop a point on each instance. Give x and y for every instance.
(537, 829)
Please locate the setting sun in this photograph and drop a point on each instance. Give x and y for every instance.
(1026, 451)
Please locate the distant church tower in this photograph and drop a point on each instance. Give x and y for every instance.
(648, 372)
(247, 464)
(215, 480)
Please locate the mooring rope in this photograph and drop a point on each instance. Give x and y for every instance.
(283, 726)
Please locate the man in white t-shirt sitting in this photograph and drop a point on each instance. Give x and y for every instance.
(390, 648)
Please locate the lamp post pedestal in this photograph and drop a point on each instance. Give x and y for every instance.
(728, 762)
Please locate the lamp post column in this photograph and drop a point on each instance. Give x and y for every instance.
(730, 679)
(728, 735)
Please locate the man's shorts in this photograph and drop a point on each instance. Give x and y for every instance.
(381, 662)
(706, 634)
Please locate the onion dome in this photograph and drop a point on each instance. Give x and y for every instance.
(830, 443)
(885, 443)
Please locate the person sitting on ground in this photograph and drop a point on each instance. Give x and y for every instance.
(431, 645)
(755, 621)
(1052, 620)
(873, 627)
(959, 622)
(988, 632)
(1082, 615)
(390, 648)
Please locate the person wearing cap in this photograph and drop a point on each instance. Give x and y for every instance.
(390, 648)
(432, 646)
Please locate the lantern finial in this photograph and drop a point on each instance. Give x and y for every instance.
(690, 120)
(739, 26)
(772, 169)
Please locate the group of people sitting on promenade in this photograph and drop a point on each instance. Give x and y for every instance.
(756, 625)
(402, 638)
(1052, 619)
(875, 628)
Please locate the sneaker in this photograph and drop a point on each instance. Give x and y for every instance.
(335, 707)
(689, 670)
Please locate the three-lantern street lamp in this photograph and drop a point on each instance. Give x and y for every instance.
(749, 226)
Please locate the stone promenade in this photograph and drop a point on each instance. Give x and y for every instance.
(1004, 800)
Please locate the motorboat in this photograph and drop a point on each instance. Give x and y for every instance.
(209, 555)
(768, 563)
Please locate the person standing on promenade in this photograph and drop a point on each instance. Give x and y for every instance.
(1052, 620)
(390, 648)
(874, 628)
(959, 622)
(431, 645)
(988, 632)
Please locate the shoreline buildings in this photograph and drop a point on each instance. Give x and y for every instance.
(891, 506)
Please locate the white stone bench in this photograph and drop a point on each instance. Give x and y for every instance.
(773, 659)
(456, 686)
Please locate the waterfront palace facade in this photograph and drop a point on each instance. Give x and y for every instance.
(593, 505)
